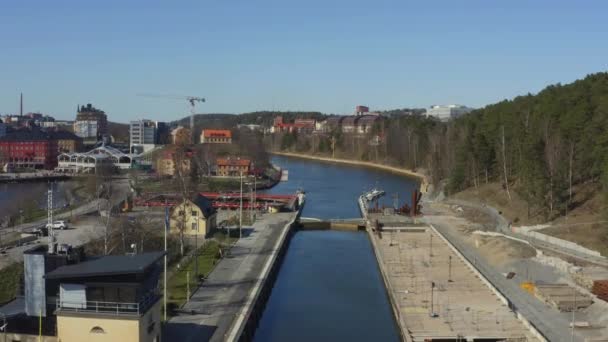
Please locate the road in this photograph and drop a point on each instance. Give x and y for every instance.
(213, 308)
(80, 231)
(86, 229)
(122, 190)
(502, 226)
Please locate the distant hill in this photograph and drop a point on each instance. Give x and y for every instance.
(264, 118)
(119, 131)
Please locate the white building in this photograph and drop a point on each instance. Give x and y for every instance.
(143, 135)
(86, 128)
(447, 112)
(87, 162)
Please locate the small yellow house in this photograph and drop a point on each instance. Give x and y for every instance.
(196, 217)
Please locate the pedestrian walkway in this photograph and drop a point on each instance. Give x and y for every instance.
(213, 308)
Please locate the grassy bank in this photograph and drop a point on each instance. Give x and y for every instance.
(208, 256)
(10, 278)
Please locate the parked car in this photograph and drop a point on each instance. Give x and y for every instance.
(57, 225)
(41, 231)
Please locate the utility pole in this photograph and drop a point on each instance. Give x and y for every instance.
(241, 209)
(573, 310)
(51, 239)
(450, 269)
(431, 247)
(196, 253)
(432, 314)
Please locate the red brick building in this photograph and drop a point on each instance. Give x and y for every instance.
(299, 125)
(28, 149)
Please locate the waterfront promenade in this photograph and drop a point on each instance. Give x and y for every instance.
(220, 309)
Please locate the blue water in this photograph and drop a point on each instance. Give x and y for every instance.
(329, 287)
(14, 196)
(332, 189)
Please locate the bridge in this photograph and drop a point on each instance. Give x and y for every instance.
(349, 224)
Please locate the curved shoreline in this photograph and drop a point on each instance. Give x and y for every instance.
(421, 177)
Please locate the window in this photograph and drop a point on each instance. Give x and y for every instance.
(97, 330)
(194, 213)
(194, 226)
(182, 213)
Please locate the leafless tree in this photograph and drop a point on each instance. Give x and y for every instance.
(504, 160)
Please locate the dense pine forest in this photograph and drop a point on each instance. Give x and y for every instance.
(541, 145)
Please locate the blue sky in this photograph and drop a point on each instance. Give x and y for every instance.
(321, 55)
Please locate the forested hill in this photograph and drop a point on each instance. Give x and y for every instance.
(540, 146)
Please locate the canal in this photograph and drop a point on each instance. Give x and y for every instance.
(15, 196)
(329, 287)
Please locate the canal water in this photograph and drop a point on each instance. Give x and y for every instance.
(15, 196)
(329, 287)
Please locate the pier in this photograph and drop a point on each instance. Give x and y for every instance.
(435, 292)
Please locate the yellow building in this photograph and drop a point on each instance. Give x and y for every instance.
(167, 163)
(195, 217)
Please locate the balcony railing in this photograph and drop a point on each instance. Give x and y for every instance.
(109, 308)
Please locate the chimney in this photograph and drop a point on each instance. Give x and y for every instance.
(21, 105)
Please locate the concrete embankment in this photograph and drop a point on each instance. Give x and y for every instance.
(424, 184)
(250, 314)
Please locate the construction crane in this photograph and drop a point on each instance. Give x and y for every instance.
(193, 100)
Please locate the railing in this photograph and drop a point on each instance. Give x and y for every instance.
(110, 308)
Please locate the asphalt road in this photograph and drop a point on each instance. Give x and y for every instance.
(502, 226)
(121, 186)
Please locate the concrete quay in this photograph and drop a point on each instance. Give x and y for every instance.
(436, 294)
(231, 300)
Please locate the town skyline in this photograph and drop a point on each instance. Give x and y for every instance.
(385, 55)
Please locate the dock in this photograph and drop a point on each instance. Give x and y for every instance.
(230, 301)
(33, 177)
(435, 292)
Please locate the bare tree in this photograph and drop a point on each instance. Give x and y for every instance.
(182, 172)
(504, 161)
(105, 197)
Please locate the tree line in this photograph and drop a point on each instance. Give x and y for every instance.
(539, 146)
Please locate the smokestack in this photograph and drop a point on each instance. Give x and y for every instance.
(21, 105)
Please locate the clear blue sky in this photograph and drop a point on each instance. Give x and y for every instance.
(322, 55)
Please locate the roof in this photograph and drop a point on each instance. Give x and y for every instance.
(107, 265)
(350, 120)
(26, 135)
(15, 307)
(64, 135)
(213, 133)
(233, 162)
(204, 204)
(367, 119)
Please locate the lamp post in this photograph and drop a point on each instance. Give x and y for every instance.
(241, 209)
(196, 252)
